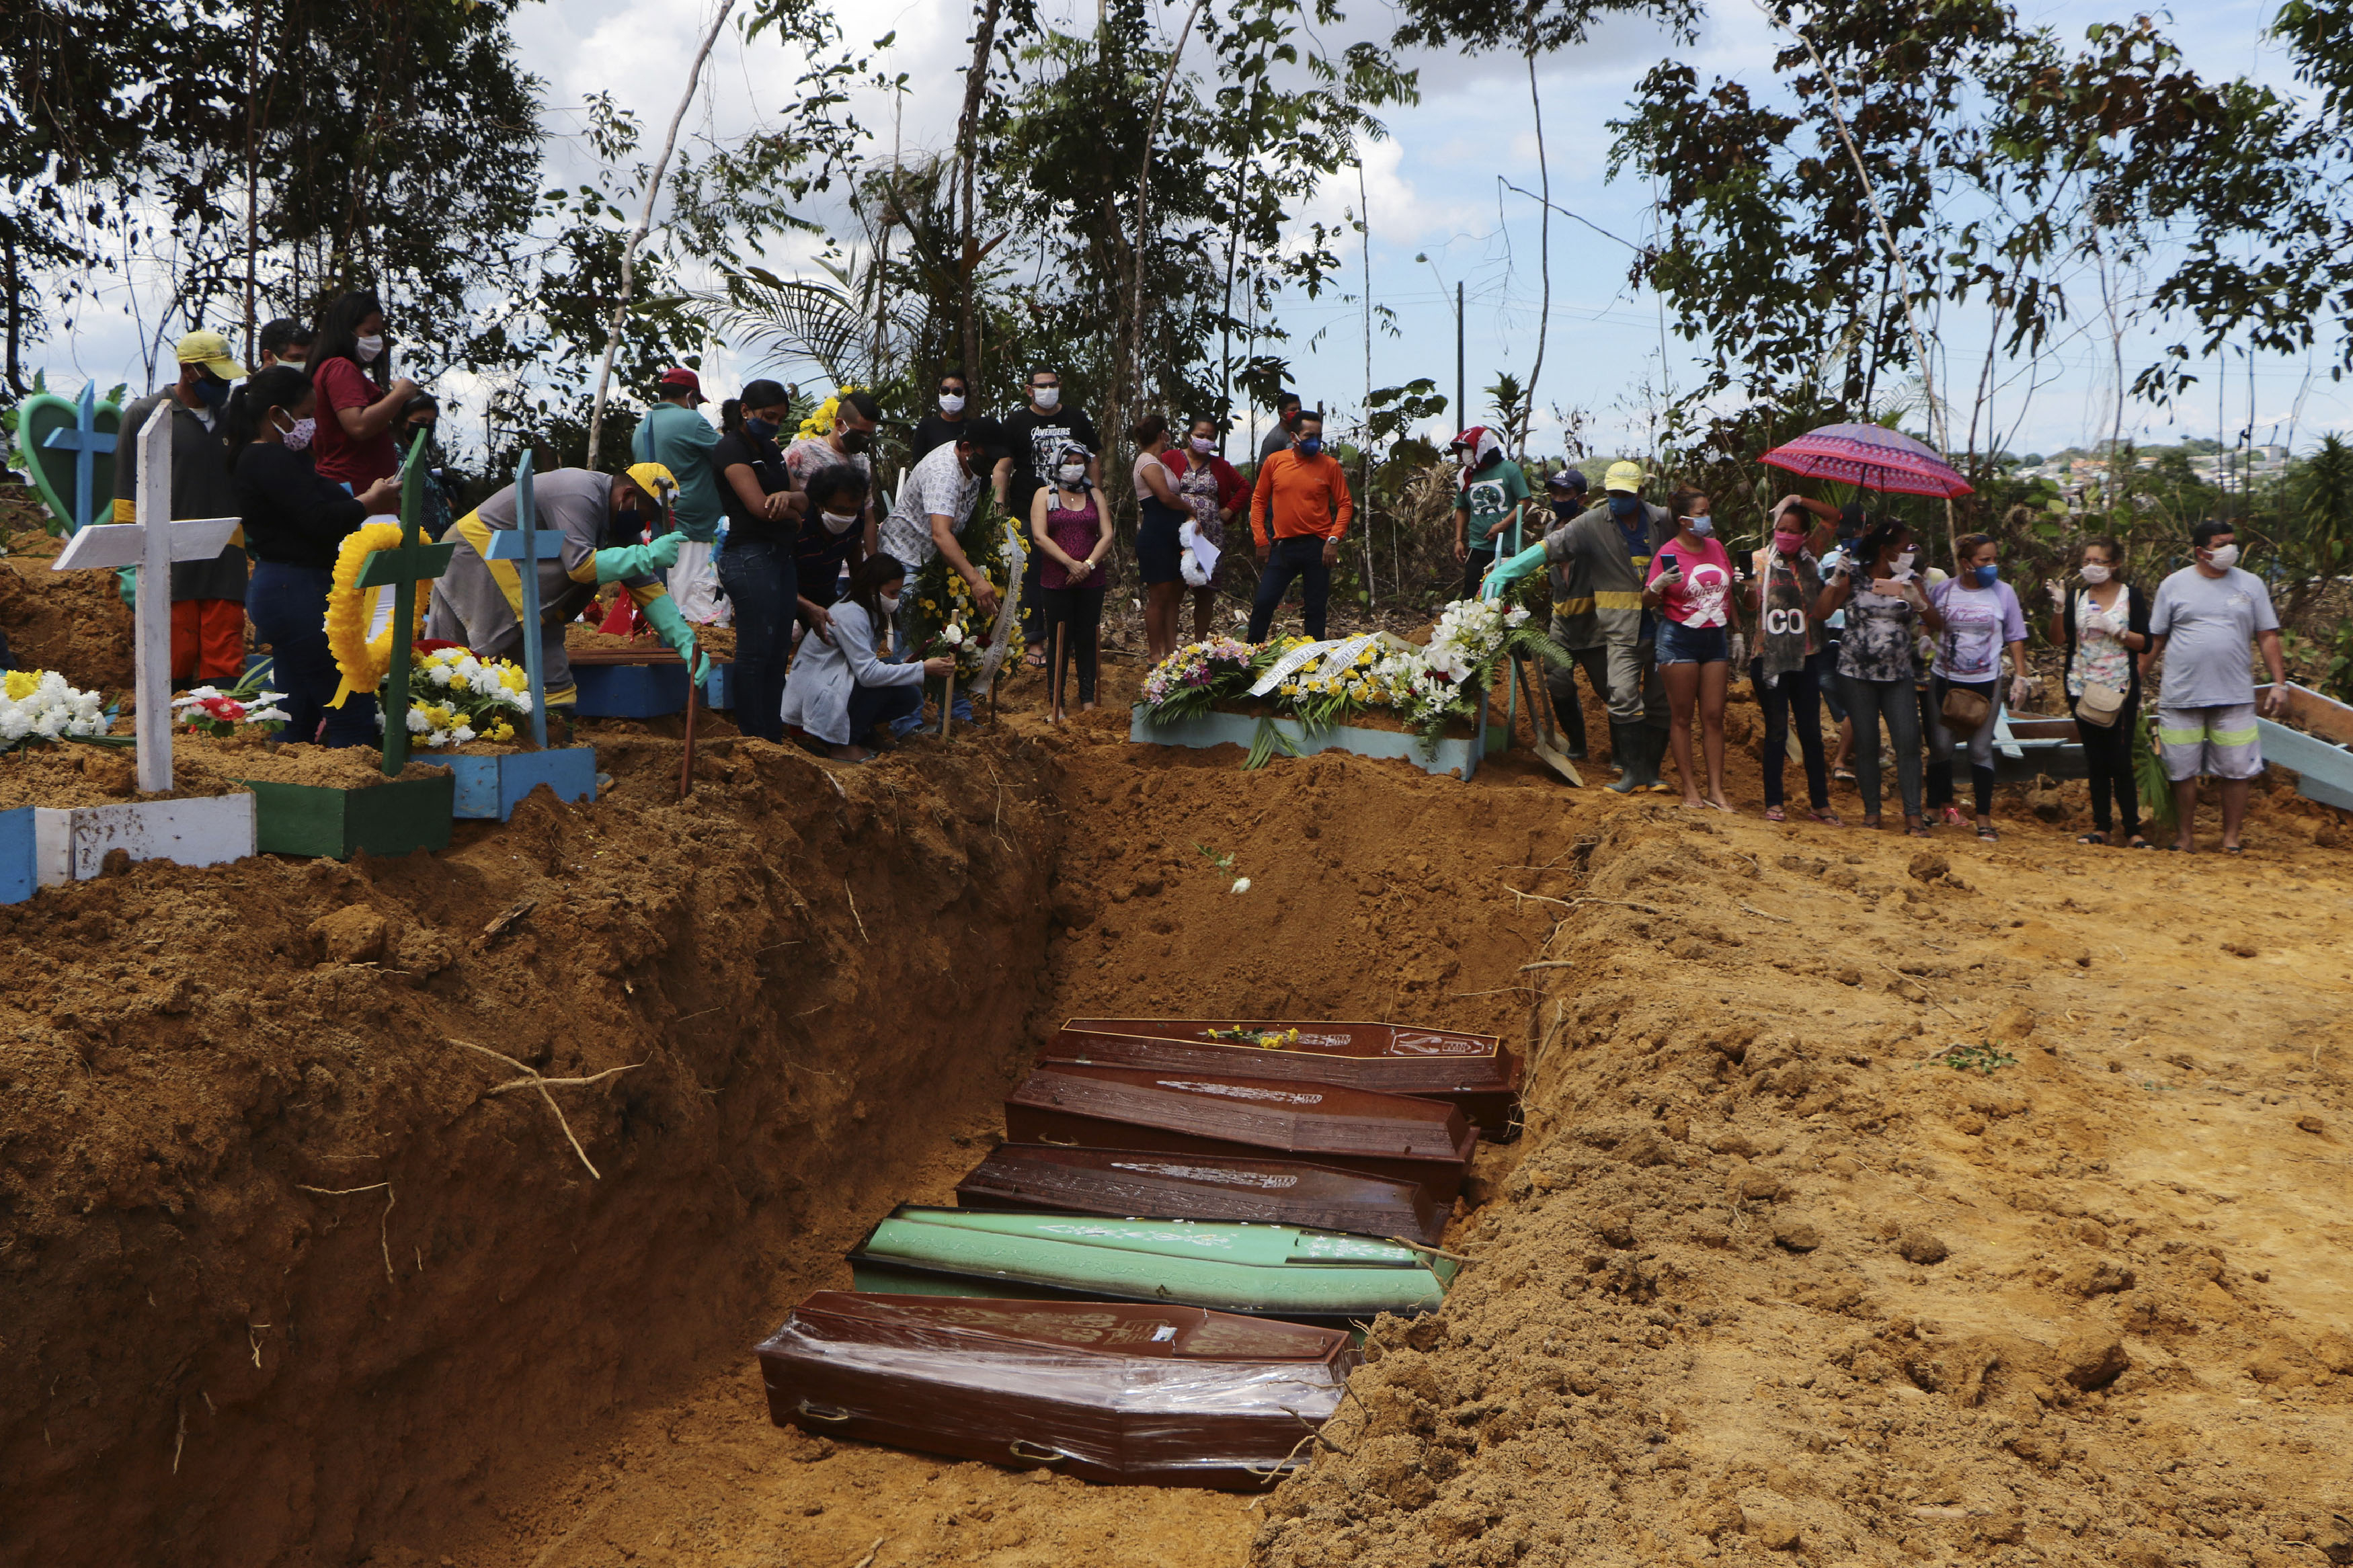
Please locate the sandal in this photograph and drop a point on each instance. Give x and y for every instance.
(2137, 842)
(2094, 837)
(1774, 813)
(1843, 775)
(2235, 849)
(1953, 817)
(1917, 830)
(1826, 816)
(1987, 832)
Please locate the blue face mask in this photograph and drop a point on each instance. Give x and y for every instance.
(763, 429)
(1310, 444)
(1624, 507)
(1987, 576)
(1701, 527)
(211, 391)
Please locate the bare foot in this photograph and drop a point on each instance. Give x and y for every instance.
(849, 754)
(1693, 802)
(1718, 802)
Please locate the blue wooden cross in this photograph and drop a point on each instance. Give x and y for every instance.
(86, 441)
(526, 543)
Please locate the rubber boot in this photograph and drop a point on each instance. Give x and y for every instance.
(1569, 716)
(1654, 756)
(1627, 749)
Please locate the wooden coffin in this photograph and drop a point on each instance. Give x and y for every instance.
(1259, 1270)
(1472, 1071)
(1390, 1135)
(1163, 1395)
(1139, 1184)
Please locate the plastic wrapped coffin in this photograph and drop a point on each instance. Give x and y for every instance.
(1258, 1271)
(1390, 1135)
(1163, 1395)
(1140, 1184)
(1472, 1071)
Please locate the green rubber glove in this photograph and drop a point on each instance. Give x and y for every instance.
(126, 582)
(639, 560)
(665, 617)
(1511, 571)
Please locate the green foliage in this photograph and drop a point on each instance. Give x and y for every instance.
(1265, 742)
(1984, 1058)
(2156, 791)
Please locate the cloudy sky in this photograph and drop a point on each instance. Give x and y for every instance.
(1432, 188)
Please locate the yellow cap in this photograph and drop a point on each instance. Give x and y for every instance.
(1626, 477)
(210, 350)
(655, 481)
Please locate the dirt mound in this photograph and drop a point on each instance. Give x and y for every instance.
(72, 622)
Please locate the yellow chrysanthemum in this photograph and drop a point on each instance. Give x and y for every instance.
(21, 683)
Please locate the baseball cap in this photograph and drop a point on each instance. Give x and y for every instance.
(210, 350)
(1570, 481)
(654, 480)
(683, 380)
(1626, 477)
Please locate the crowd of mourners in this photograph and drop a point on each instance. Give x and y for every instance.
(796, 542)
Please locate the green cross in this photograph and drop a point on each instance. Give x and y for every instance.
(400, 569)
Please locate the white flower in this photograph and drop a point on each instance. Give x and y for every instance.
(439, 674)
(1242, 884)
(953, 635)
(418, 722)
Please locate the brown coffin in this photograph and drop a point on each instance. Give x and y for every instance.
(1390, 1135)
(1473, 1071)
(1136, 1184)
(1109, 1392)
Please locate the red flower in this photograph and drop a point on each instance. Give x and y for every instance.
(224, 709)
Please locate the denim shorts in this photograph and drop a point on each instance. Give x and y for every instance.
(1692, 644)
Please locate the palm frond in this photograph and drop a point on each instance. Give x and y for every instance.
(801, 316)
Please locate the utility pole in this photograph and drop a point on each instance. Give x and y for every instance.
(1461, 391)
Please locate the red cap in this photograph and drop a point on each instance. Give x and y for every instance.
(684, 378)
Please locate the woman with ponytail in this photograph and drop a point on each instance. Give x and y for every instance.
(294, 522)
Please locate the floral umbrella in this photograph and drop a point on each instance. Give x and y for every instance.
(1871, 455)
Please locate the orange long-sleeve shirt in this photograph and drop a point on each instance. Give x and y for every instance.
(1299, 495)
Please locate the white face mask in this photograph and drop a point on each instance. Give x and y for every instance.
(1904, 563)
(370, 348)
(1701, 527)
(1047, 398)
(2222, 557)
(951, 402)
(1072, 474)
(889, 603)
(1203, 444)
(836, 522)
(2095, 572)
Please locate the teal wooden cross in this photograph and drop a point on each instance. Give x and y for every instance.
(525, 543)
(399, 569)
(87, 442)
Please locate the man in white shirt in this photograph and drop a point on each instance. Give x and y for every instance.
(2201, 621)
(928, 517)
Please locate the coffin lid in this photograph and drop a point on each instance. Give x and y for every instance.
(1059, 1329)
(1267, 1112)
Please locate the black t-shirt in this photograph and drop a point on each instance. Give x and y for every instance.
(763, 458)
(819, 554)
(934, 431)
(1035, 440)
(292, 516)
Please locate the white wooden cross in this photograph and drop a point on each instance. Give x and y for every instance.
(151, 544)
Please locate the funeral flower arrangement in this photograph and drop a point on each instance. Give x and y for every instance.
(38, 705)
(244, 706)
(1322, 684)
(455, 696)
(943, 602)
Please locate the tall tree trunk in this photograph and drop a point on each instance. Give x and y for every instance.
(976, 82)
(1544, 240)
(1137, 307)
(639, 230)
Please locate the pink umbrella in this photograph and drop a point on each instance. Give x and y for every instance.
(1871, 455)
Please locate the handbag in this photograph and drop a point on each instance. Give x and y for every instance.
(1964, 712)
(2099, 704)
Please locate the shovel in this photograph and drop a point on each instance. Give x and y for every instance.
(1541, 718)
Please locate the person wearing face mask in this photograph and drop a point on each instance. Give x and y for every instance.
(285, 342)
(939, 427)
(1300, 510)
(934, 505)
(758, 564)
(1214, 494)
(479, 601)
(675, 434)
(830, 543)
(421, 415)
(1286, 427)
(1491, 504)
(2205, 710)
(2104, 626)
(1601, 564)
(1070, 527)
(1981, 617)
(350, 364)
(295, 522)
(1783, 669)
(1881, 593)
(207, 596)
(1159, 549)
(839, 690)
(1034, 436)
(1569, 493)
(856, 417)
(1699, 640)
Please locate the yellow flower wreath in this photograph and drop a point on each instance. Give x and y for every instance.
(361, 658)
(819, 423)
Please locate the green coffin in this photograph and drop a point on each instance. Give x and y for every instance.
(1271, 1270)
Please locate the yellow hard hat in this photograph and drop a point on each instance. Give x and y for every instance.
(1626, 477)
(655, 481)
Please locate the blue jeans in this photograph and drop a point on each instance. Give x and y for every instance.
(288, 607)
(1870, 701)
(763, 585)
(1301, 555)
